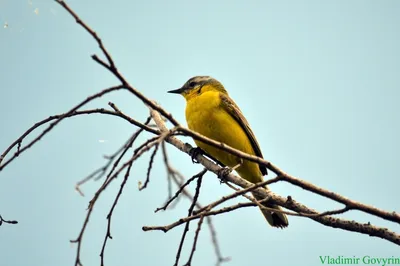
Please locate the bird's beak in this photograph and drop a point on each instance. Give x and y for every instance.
(177, 91)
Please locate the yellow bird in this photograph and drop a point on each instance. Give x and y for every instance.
(211, 112)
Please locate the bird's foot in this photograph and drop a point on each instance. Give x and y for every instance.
(194, 152)
(223, 172)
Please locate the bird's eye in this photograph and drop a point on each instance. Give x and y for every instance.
(191, 84)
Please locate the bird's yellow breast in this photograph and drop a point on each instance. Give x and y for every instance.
(205, 115)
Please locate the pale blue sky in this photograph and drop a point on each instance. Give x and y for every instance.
(317, 80)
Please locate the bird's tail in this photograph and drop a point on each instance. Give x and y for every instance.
(274, 218)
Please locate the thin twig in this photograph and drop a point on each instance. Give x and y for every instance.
(214, 240)
(111, 66)
(178, 179)
(50, 127)
(102, 188)
(184, 220)
(169, 182)
(133, 121)
(190, 211)
(181, 188)
(126, 147)
(196, 237)
(7, 221)
(237, 193)
(97, 174)
(146, 182)
(109, 215)
(90, 31)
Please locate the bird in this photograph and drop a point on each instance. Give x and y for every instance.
(212, 113)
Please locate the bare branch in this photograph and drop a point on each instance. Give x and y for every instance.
(196, 236)
(187, 219)
(109, 215)
(167, 166)
(113, 69)
(89, 30)
(98, 173)
(351, 204)
(50, 127)
(7, 221)
(191, 208)
(237, 193)
(218, 253)
(133, 121)
(290, 204)
(110, 177)
(178, 180)
(150, 167)
(181, 188)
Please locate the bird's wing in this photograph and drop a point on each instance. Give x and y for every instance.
(229, 105)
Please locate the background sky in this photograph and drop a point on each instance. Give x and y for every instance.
(317, 80)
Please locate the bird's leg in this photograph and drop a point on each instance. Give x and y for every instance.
(197, 150)
(194, 152)
(224, 171)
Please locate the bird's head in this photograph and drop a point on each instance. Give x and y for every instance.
(198, 85)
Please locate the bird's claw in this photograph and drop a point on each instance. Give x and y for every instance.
(223, 172)
(194, 152)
